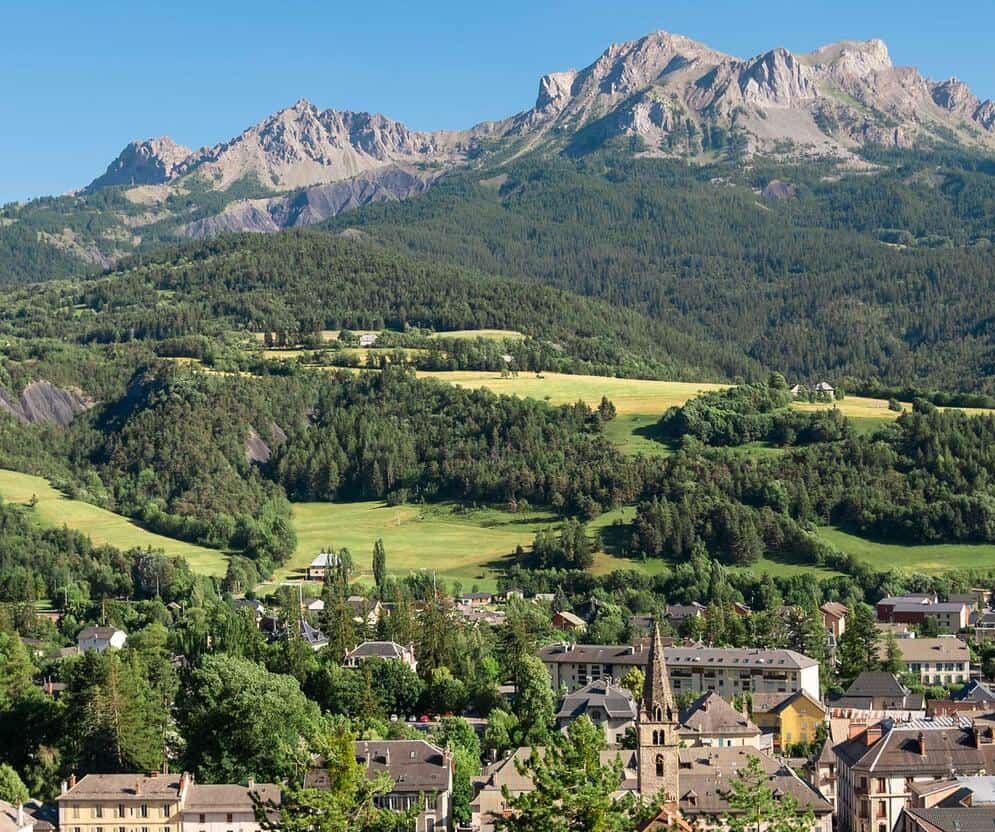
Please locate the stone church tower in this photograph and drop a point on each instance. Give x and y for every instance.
(657, 729)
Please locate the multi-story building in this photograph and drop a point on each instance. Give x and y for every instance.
(789, 718)
(605, 704)
(705, 774)
(225, 808)
(159, 803)
(727, 671)
(123, 803)
(950, 616)
(711, 721)
(879, 692)
(936, 661)
(834, 619)
(383, 650)
(422, 775)
(99, 639)
(879, 766)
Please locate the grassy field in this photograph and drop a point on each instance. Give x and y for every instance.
(470, 547)
(489, 334)
(930, 558)
(102, 526)
(629, 395)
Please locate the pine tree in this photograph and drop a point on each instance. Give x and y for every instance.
(755, 805)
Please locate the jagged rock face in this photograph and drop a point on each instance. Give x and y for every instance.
(776, 79)
(303, 146)
(955, 96)
(985, 115)
(676, 96)
(662, 84)
(313, 205)
(297, 147)
(43, 403)
(149, 162)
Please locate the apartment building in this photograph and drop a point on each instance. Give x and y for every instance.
(225, 808)
(727, 671)
(879, 766)
(950, 616)
(123, 803)
(158, 803)
(936, 661)
(422, 774)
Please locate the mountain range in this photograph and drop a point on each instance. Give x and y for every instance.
(661, 95)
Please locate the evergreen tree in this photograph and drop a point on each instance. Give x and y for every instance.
(755, 806)
(572, 791)
(379, 566)
(858, 647)
(349, 804)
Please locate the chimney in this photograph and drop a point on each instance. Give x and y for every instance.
(20, 816)
(872, 734)
(72, 780)
(921, 739)
(252, 783)
(65, 787)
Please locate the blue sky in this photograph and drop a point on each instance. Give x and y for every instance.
(81, 79)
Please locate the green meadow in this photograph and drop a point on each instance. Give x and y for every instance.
(101, 526)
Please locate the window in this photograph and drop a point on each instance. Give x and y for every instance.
(98, 812)
(881, 785)
(659, 765)
(228, 818)
(120, 810)
(203, 818)
(144, 812)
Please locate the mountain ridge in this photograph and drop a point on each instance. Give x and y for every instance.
(842, 95)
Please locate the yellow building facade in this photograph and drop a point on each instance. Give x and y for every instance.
(791, 718)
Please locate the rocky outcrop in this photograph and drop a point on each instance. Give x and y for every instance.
(296, 147)
(43, 403)
(314, 205)
(257, 449)
(667, 90)
(148, 162)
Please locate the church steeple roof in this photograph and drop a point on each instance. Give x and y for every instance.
(658, 699)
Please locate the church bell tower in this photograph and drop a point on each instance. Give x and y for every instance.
(657, 728)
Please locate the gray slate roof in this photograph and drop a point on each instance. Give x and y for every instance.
(615, 701)
(958, 819)
(711, 715)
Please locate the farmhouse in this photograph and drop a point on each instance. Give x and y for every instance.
(323, 563)
(99, 639)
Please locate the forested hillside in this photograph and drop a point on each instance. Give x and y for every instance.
(300, 283)
(886, 273)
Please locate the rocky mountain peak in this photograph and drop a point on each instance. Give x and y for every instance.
(776, 78)
(855, 58)
(144, 162)
(956, 96)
